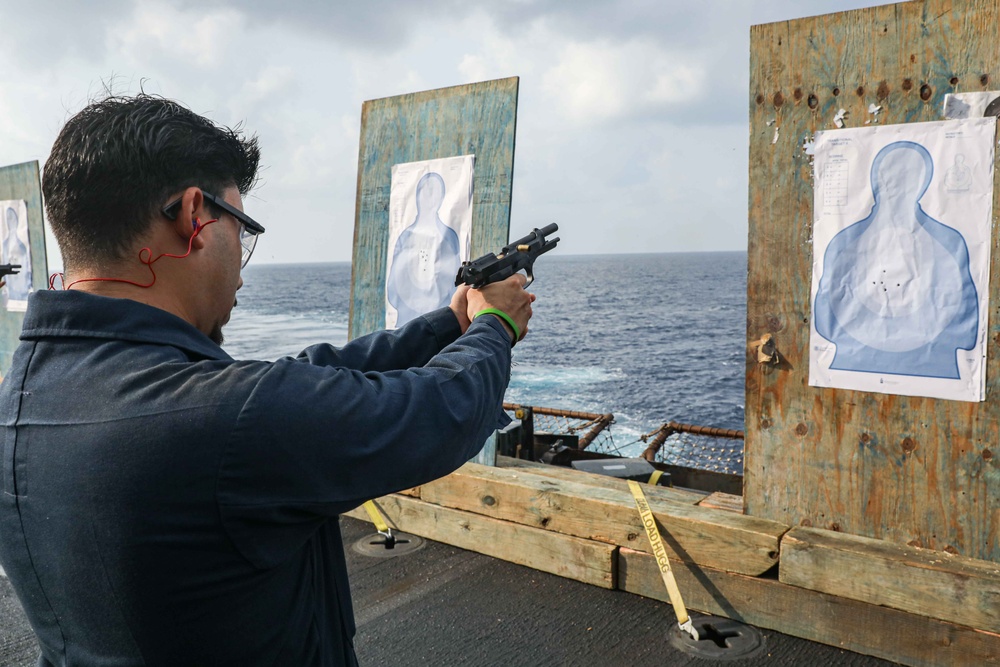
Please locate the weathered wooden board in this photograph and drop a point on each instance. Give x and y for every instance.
(593, 479)
(921, 581)
(570, 557)
(895, 635)
(717, 538)
(914, 471)
(477, 119)
(723, 501)
(21, 181)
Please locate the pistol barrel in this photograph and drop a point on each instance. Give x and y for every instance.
(548, 229)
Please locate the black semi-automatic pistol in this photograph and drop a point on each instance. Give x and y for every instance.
(9, 269)
(517, 256)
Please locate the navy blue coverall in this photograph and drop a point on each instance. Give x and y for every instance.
(164, 504)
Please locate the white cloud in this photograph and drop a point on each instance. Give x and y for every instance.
(496, 54)
(603, 81)
(270, 82)
(201, 37)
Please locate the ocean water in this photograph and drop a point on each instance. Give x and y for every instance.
(651, 338)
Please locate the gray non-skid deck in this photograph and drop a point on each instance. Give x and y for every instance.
(440, 605)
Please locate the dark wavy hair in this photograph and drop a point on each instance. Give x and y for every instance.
(115, 163)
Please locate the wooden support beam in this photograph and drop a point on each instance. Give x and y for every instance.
(895, 635)
(716, 538)
(932, 583)
(475, 119)
(570, 557)
(898, 468)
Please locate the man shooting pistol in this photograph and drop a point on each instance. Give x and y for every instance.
(517, 256)
(8, 270)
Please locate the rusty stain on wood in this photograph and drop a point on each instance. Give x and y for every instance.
(890, 467)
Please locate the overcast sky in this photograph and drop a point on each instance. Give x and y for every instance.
(632, 116)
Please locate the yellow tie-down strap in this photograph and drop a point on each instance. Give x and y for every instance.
(380, 524)
(660, 553)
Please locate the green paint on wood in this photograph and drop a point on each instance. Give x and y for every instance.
(21, 181)
(477, 119)
(917, 471)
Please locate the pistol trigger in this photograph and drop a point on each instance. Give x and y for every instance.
(531, 276)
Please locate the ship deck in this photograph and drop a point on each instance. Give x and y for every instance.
(441, 605)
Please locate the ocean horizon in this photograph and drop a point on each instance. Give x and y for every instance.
(649, 337)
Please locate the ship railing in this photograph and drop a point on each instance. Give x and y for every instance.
(555, 435)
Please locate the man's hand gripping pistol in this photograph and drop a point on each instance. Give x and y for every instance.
(517, 256)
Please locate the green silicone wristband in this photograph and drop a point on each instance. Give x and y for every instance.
(505, 317)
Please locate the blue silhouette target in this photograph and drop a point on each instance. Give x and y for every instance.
(896, 294)
(426, 257)
(16, 250)
(430, 225)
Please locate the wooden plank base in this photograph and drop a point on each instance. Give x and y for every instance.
(716, 538)
(931, 583)
(571, 557)
(908, 605)
(856, 626)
